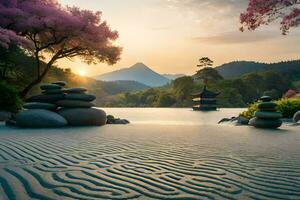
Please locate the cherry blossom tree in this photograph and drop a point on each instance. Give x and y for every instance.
(263, 12)
(55, 32)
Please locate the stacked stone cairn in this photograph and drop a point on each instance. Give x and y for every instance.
(58, 106)
(266, 116)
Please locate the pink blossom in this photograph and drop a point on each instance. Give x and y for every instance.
(263, 12)
(8, 37)
(62, 31)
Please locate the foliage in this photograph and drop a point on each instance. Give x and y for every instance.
(61, 32)
(236, 69)
(230, 98)
(165, 100)
(288, 107)
(208, 74)
(8, 38)
(205, 62)
(249, 113)
(262, 12)
(14, 64)
(182, 87)
(10, 100)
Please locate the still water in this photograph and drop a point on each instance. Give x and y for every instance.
(172, 116)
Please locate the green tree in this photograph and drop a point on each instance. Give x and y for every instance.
(209, 74)
(10, 100)
(205, 62)
(165, 100)
(182, 87)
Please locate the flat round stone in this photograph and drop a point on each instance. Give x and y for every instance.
(265, 123)
(296, 117)
(74, 104)
(55, 91)
(265, 98)
(50, 87)
(83, 116)
(267, 105)
(39, 118)
(75, 90)
(268, 115)
(38, 105)
(80, 97)
(60, 83)
(46, 98)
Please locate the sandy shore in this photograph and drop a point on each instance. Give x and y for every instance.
(150, 162)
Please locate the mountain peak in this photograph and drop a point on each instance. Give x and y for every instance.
(140, 65)
(139, 73)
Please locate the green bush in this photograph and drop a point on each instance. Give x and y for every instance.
(9, 98)
(249, 113)
(288, 107)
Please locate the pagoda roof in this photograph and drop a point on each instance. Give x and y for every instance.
(206, 93)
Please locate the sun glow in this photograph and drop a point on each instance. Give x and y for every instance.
(82, 72)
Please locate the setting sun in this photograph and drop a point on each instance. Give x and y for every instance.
(82, 72)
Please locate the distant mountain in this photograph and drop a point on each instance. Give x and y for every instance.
(115, 87)
(173, 76)
(138, 72)
(290, 69)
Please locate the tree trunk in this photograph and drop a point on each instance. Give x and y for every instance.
(40, 77)
(38, 64)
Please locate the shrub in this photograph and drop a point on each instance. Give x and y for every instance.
(288, 107)
(9, 99)
(249, 113)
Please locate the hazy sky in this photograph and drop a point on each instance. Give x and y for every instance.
(171, 35)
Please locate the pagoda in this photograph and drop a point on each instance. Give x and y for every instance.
(205, 100)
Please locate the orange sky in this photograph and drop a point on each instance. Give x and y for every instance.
(171, 35)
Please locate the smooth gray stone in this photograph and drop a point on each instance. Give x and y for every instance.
(296, 117)
(56, 91)
(4, 115)
(242, 120)
(10, 122)
(80, 97)
(46, 98)
(60, 83)
(74, 104)
(268, 115)
(265, 123)
(112, 120)
(224, 120)
(266, 106)
(75, 90)
(38, 105)
(39, 118)
(121, 121)
(50, 86)
(265, 98)
(83, 116)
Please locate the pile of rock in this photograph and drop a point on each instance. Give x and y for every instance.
(57, 107)
(266, 116)
(112, 120)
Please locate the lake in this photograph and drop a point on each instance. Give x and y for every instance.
(172, 116)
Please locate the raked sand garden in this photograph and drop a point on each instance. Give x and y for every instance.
(179, 155)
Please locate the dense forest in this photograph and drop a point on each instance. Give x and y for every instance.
(237, 69)
(234, 93)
